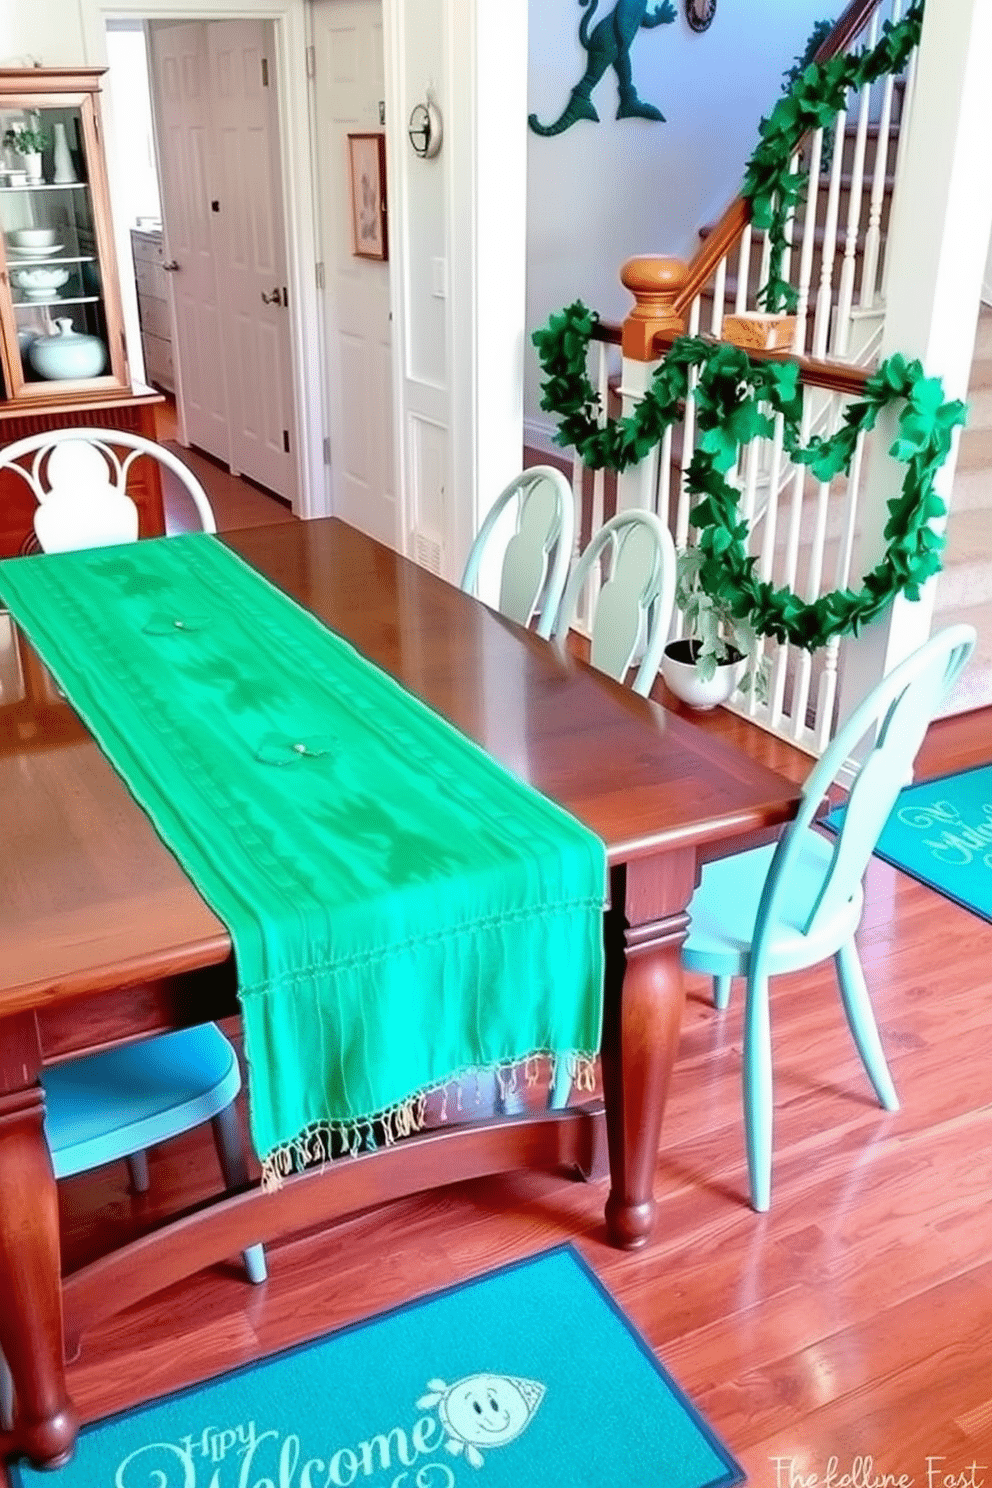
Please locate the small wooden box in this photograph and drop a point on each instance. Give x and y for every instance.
(756, 331)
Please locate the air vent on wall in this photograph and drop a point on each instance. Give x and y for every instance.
(427, 551)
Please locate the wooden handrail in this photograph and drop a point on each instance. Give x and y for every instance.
(850, 24)
(837, 377)
(731, 225)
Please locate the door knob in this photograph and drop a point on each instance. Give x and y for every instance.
(271, 299)
(171, 267)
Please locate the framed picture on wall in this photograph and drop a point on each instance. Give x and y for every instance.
(367, 174)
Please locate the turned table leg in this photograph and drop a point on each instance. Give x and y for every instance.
(45, 1422)
(642, 1019)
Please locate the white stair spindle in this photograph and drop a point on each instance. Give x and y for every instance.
(845, 293)
(663, 497)
(824, 298)
(765, 266)
(845, 551)
(719, 297)
(806, 251)
(766, 560)
(790, 564)
(743, 271)
(826, 696)
(873, 235)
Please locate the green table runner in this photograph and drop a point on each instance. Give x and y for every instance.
(403, 911)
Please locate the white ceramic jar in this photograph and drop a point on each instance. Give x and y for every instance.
(67, 354)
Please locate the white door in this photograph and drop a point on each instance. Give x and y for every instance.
(251, 253)
(349, 89)
(181, 73)
(217, 131)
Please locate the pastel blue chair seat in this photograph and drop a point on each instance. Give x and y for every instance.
(796, 903)
(725, 911)
(108, 1106)
(112, 1105)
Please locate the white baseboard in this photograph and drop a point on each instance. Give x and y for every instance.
(540, 436)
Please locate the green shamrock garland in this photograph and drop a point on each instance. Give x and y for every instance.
(729, 394)
(813, 101)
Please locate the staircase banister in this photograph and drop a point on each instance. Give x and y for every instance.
(608, 331)
(718, 243)
(848, 26)
(836, 377)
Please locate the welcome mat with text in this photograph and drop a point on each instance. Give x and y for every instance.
(528, 1377)
(940, 832)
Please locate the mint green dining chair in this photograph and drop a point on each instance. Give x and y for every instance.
(537, 553)
(633, 610)
(790, 905)
(631, 617)
(104, 1107)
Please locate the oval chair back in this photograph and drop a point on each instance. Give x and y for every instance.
(885, 731)
(537, 556)
(79, 479)
(770, 910)
(634, 607)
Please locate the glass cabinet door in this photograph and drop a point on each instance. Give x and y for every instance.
(59, 298)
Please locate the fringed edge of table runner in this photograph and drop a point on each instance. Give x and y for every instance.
(327, 1141)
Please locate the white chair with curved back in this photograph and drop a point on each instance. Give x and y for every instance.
(633, 610)
(79, 480)
(538, 553)
(790, 905)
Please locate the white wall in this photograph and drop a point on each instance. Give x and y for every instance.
(134, 149)
(601, 193)
(45, 32)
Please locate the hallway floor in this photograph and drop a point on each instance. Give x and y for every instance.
(236, 502)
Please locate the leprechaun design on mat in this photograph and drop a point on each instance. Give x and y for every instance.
(483, 1410)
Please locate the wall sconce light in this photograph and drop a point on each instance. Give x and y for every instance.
(426, 129)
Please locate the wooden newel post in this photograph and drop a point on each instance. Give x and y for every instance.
(655, 284)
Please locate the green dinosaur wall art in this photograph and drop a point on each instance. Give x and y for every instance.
(608, 45)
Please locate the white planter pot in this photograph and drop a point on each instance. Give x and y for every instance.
(32, 166)
(681, 677)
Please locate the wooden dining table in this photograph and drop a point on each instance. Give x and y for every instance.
(104, 938)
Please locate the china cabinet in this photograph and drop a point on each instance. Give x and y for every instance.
(59, 284)
(63, 357)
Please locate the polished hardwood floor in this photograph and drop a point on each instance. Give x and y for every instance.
(848, 1331)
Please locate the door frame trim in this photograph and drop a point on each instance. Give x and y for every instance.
(298, 204)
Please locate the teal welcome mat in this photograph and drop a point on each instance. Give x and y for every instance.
(940, 832)
(529, 1377)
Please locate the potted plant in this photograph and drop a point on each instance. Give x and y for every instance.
(710, 661)
(28, 141)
